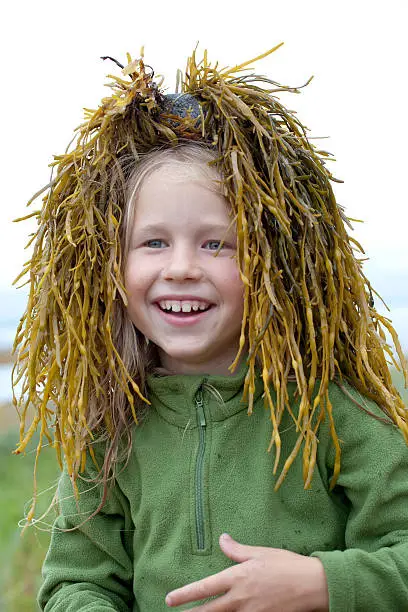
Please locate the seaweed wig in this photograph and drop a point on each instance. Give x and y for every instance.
(308, 308)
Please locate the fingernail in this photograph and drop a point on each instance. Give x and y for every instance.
(168, 600)
(226, 536)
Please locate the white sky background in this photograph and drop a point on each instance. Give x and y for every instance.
(357, 52)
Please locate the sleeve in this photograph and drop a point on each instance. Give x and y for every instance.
(372, 571)
(89, 568)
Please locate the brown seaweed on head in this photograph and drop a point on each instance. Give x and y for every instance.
(308, 310)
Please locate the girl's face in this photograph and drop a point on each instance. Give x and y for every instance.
(181, 297)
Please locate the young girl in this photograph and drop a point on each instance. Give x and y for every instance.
(195, 303)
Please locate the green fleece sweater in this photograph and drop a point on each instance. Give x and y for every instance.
(199, 468)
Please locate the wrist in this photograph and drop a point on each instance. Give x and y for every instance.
(318, 593)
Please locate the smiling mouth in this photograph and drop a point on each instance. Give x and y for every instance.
(182, 314)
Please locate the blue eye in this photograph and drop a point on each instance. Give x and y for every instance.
(154, 244)
(217, 244)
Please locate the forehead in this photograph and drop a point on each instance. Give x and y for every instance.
(181, 194)
(181, 171)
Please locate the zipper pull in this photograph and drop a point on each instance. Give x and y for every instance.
(200, 409)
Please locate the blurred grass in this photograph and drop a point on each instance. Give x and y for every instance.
(21, 557)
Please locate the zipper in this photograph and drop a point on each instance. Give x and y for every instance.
(199, 509)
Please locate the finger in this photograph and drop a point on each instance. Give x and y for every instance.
(221, 604)
(208, 587)
(236, 551)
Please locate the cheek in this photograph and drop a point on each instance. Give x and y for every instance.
(137, 275)
(231, 281)
(136, 285)
(234, 274)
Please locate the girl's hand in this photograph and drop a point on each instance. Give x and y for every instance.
(265, 580)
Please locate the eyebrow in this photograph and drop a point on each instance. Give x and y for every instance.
(161, 227)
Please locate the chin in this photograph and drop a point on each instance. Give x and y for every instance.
(193, 357)
(188, 358)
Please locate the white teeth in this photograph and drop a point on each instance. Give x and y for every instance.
(184, 306)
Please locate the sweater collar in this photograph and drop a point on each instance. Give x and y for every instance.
(174, 397)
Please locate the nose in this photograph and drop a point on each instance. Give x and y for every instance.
(182, 264)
